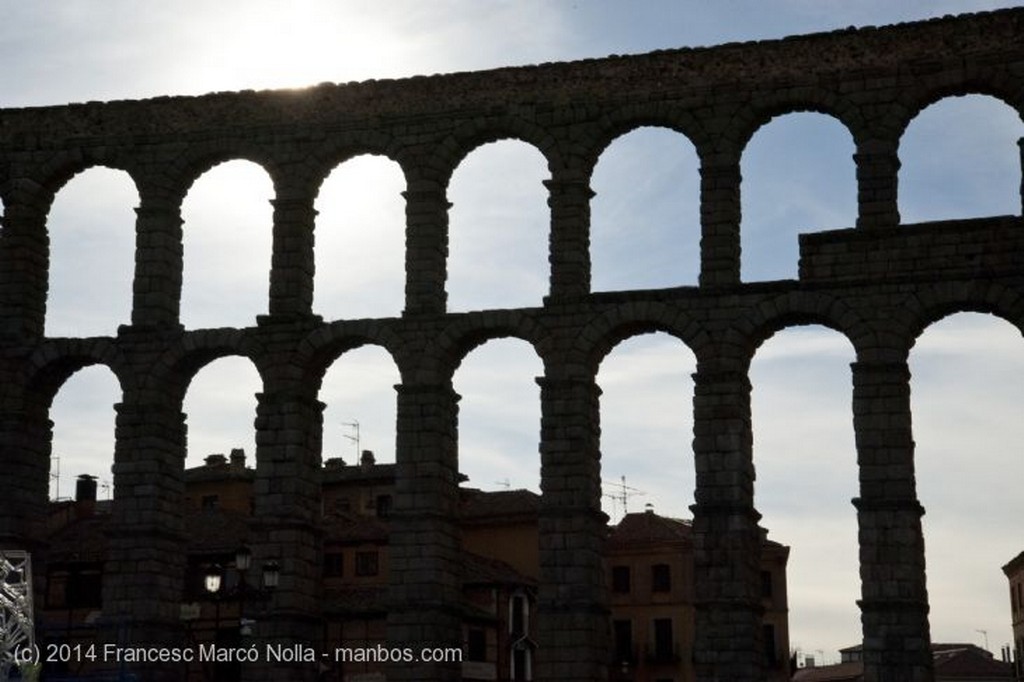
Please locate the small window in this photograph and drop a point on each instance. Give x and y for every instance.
(664, 647)
(366, 563)
(623, 633)
(383, 506)
(766, 584)
(661, 578)
(334, 564)
(476, 645)
(620, 579)
(211, 501)
(768, 634)
(517, 615)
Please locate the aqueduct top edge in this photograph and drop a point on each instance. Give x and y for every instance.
(822, 58)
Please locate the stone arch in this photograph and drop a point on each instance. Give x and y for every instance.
(61, 167)
(950, 131)
(91, 256)
(174, 370)
(320, 349)
(371, 242)
(798, 175)
(936, 301)
(323, 159)
(468, 137)
(805, 100)
(196, 301)
(197, 161)
(602, 333)
(53, 363)
(468, 332)
(517, 217)
(794, 309)
(932, 89)
(651, 237)
(625, 120)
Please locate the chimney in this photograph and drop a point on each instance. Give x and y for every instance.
(215, 460)
(367, 459)
(334, 463)
(85, 496)
(238, 458)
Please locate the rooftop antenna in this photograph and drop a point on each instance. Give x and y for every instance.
(105, 487)
(55, 475)
(354, 425)
(504, 483)
(622, 494)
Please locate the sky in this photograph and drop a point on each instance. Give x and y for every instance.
(966, 369)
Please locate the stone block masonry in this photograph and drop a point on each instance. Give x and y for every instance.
(879, 283)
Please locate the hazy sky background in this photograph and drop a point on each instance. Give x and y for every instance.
(960, 159)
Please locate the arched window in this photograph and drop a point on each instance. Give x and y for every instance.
(966, 396)
(498, 229)
(360, 241)
(647, 426)
(359, 394)
(499, 415)
(220, 407)
(645, 214)
(228, 233)
(92, 254)
(83, 431)
(806, 461)
(798, 176)
(959, 159)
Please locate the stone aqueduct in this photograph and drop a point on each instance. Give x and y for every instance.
(878, 283)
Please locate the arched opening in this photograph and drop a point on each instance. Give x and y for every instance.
(645, 214)
(647, 426)
(959, 159)
(648, 480)
(358, 392)
(360, 241)
(228, 237)
(83, 417)
(498, 228)
(91, 226)
(966, 397)
(798, 176)
(806, 462)
(499, 416)
(220, 408)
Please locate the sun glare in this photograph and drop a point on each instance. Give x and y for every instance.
(277, 45)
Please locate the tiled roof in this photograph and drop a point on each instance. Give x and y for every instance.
(478, 505)
(479, 570)
(840, 672)
(969, 662)
(644, 528)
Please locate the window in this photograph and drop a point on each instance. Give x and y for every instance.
(623, 633)
(366, 563)
(517, 617)
(334, 564)
(476, 645)
(661, 578)
(620, 579)
(211, 502)
(768, 634)
(766, 584)
(383, 506)
(664, 648)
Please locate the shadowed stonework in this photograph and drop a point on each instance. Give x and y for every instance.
(879, 283)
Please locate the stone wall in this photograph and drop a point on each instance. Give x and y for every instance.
(879, 283)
